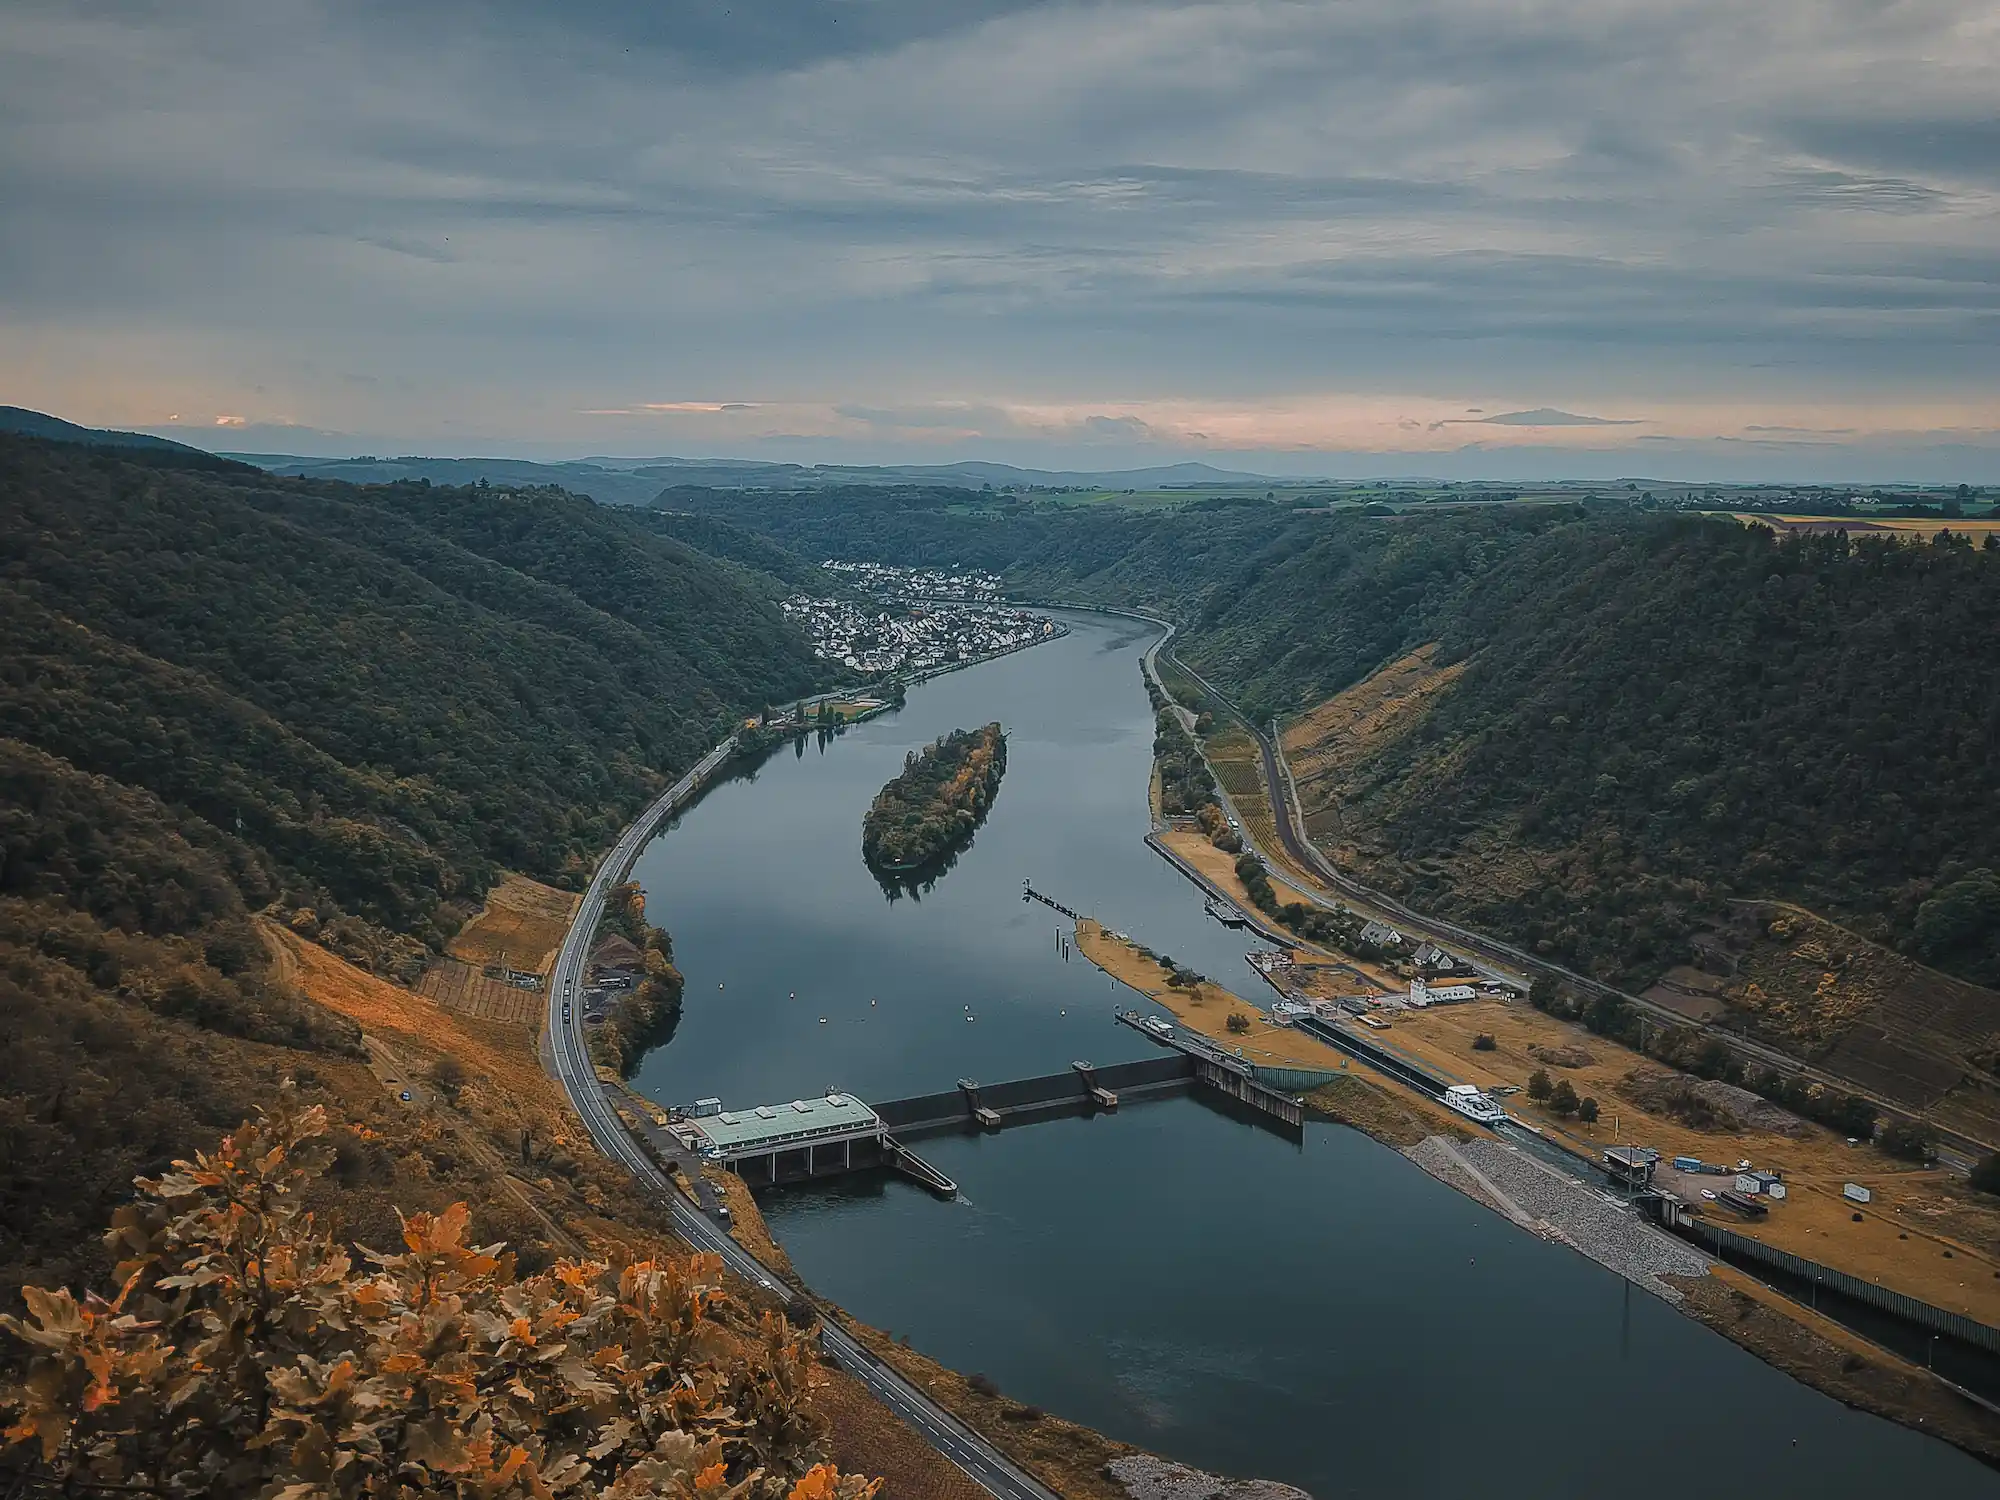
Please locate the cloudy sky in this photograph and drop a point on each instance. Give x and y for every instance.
(1677, 237)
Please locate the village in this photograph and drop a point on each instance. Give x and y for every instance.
(888, 581)
(917, 637)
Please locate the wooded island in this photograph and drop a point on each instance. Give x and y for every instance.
(939, 800)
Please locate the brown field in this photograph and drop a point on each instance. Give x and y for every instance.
(1220, 868)
(522, 925)
(1328, 744)
(500, 1054)
(1907, 526)
(458, 986)
(1908, 1034)
(1917, 1215)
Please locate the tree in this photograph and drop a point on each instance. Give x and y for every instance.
(1542, 993)
(447, 1076)
(1986, 1173)
(1484, 1042)
(1238, 1022)
(1586, 1110)
(1909, 1142)
(1539, 1087)
(246, 1353)
(1563, 1099)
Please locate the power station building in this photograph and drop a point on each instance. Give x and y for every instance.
(789, 1142)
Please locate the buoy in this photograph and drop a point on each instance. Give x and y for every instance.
(822, 1020)
(871, 1002)
(972, 1018)
(795, 994)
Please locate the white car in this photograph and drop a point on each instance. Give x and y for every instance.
(1708, 1194)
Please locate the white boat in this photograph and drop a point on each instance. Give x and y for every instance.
(1468, 1101)
(1158, 1027)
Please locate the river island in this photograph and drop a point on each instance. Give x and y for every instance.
(937, 803)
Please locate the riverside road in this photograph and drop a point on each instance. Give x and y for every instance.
(984, 1463)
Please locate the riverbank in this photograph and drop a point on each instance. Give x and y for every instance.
(1813, 1349)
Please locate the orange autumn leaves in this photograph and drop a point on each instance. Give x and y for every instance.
(248, 1353)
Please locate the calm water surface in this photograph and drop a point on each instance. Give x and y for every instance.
(1324, 1314)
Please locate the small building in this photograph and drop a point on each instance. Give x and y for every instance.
(1854, 1192)
(790, 1142)
(1437, 960)
(1422, 994)
(1382, 935)
(1630, 1166)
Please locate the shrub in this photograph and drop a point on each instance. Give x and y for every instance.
(447, 1076)
(1484, 1042)
(246, 1353)
(1986, 1173)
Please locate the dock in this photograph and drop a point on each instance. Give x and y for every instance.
(1029, 893)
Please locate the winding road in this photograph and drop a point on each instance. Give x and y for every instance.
(570, 1061)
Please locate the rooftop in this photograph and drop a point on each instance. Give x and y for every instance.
(742, 1132)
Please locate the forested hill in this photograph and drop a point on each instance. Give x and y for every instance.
(225, 691)
(1666, 713)
(379, 694)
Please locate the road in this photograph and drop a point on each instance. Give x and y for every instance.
(1957, 1153)
(980, 1460)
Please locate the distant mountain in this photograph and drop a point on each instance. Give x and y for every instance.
(626, 481)
(55, 429)
(1166, 476)
(605, 485)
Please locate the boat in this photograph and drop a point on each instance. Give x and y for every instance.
(1470, 1102)
(1158, 1027)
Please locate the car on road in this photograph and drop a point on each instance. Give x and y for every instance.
(565, 1011)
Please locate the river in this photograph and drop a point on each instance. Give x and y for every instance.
(1325, 1314)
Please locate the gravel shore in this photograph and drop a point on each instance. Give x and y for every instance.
(1564, 1209)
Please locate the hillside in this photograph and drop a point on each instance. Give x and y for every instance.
(1639, 722)
(226, 693)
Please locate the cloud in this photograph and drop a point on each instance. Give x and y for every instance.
(1548, 416)
(990, 222)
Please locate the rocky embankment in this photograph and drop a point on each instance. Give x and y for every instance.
(1144, 1477)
